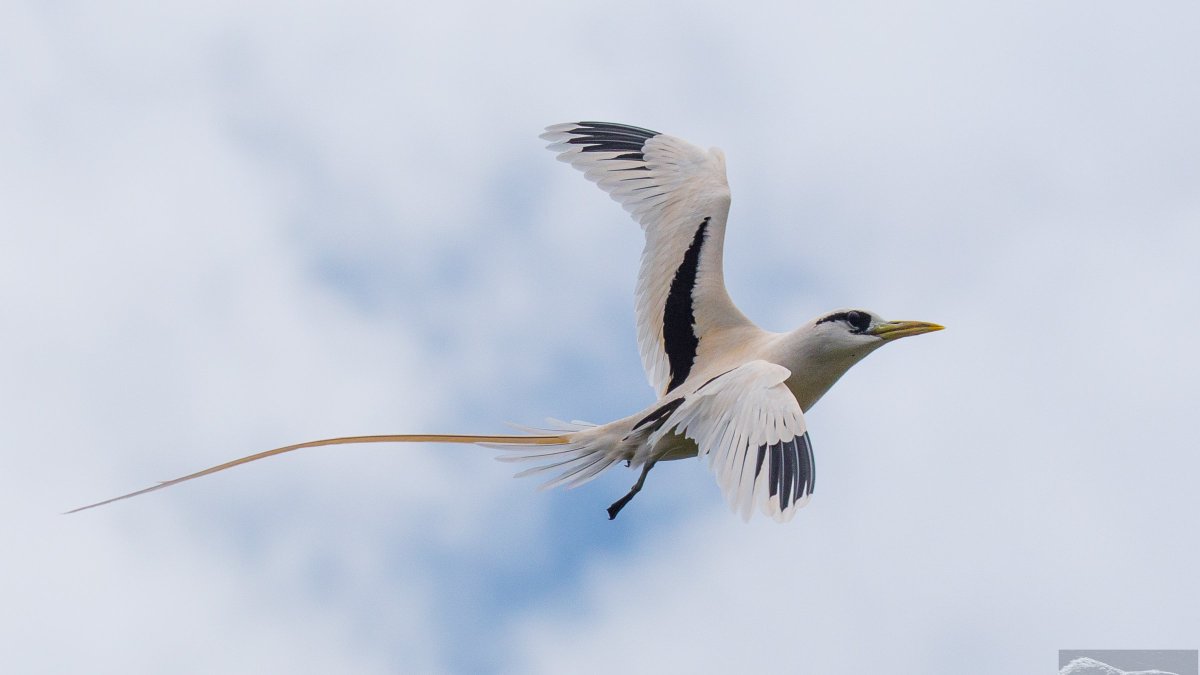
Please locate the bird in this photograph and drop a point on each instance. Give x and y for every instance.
(726, 390)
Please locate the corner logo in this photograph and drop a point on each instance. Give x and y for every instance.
(1127, 662)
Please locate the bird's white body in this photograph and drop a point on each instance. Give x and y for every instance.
(800, 351)
(726, 389)
(807, 362)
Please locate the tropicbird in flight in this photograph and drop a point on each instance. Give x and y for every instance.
(727, 389)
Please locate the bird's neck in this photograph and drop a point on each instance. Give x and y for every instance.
(815, 368)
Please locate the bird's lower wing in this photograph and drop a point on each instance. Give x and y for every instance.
(345, 440)
(752, 429)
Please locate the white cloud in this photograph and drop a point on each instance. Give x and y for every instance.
(244, 226)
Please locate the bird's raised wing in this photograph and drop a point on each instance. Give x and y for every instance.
(679, 195)
(752, 429)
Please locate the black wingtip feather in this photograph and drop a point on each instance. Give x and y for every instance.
(787, 492)
(790, 474)
(609, 137)
(620, 128)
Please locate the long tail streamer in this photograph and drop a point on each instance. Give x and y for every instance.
(345, 440)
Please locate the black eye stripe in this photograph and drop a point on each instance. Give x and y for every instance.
(858, 321)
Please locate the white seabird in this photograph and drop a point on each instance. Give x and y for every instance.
(727, 390)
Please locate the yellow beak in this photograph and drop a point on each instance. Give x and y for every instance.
(894, 330)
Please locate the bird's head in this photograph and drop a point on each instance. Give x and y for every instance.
(859, 332)
(822, 350)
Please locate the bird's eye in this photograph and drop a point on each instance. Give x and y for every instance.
(859, 320)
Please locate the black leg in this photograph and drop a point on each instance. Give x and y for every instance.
(637, 487)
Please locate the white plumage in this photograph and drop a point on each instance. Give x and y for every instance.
(741, 421)
(670, 190)
(727, 390)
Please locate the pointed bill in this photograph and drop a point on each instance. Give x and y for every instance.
(894, 330)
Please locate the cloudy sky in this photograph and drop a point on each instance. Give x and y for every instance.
(234, 225)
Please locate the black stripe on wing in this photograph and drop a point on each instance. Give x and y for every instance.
(679, 315)
(790, 471)
(659, 415)
(609, 137)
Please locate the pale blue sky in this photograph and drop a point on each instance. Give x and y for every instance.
(230, 227)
